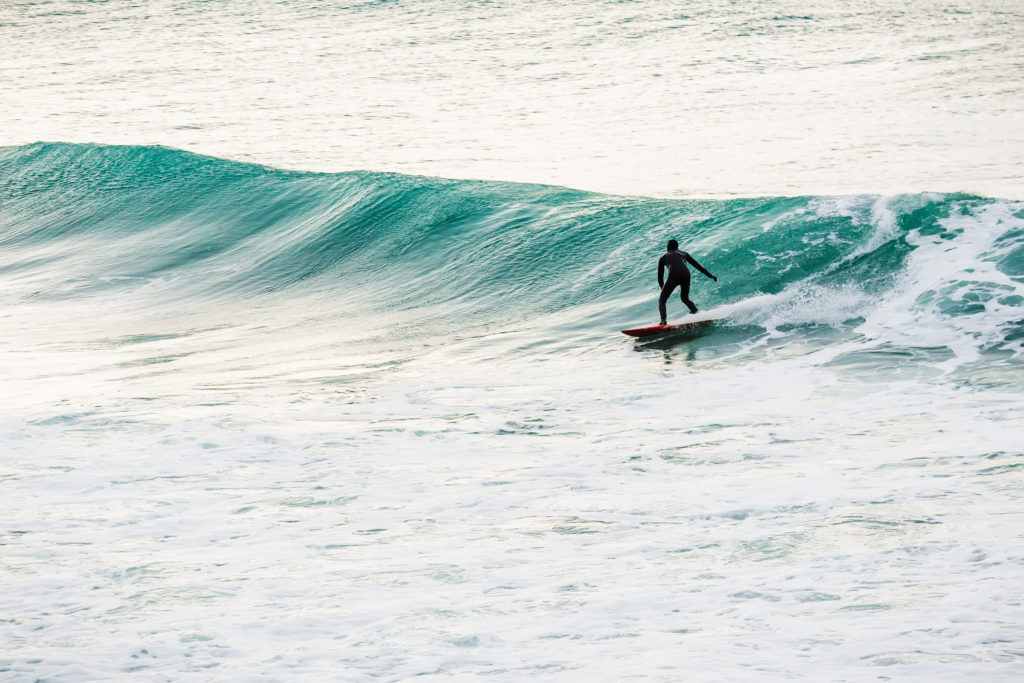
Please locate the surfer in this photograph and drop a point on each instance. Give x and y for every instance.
(678, 276)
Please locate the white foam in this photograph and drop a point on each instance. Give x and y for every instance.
(920, 309)
(599, 518)
(942, 270)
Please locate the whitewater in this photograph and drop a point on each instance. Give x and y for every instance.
(311, 365)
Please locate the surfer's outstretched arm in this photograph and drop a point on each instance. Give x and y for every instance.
(699, 267)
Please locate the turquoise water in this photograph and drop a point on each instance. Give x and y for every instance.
(301, 381)
(359, 425)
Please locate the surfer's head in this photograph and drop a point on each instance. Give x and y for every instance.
(673, 245)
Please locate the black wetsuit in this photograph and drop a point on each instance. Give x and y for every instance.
(678, 276)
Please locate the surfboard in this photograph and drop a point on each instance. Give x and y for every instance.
(665, 329)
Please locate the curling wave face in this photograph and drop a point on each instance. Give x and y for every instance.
(156, 228)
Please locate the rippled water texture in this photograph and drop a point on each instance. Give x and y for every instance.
(284, 425)
(625, 97)
(338, 424)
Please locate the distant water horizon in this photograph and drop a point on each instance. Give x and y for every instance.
(653, 99)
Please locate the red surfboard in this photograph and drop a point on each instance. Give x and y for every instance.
(663, 329)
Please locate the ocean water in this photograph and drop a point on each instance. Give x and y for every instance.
(310, 354)
(776, 98)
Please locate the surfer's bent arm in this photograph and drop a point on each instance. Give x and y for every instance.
(661, 269)
(699, 267)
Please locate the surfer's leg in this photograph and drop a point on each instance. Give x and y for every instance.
(666, 292)
(684, 294)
